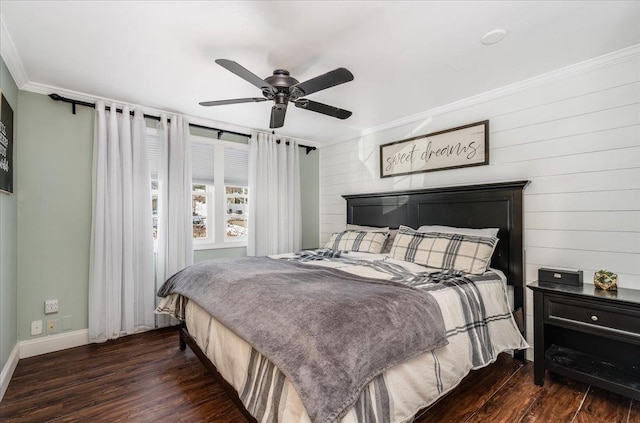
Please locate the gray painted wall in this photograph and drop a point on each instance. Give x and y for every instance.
(8, 236)
(201, 255)
(310, 193)
(54, 210)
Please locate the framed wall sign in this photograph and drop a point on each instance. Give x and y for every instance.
(6, 146)
(463, 146)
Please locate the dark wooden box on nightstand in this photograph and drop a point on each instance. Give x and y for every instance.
(589, 335)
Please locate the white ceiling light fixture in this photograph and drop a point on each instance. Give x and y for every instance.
(493, 37)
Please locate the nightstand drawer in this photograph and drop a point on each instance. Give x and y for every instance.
(618, 320)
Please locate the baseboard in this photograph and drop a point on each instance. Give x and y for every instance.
(8, 369)
(51, 343)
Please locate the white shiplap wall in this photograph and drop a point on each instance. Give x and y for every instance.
(575, 136)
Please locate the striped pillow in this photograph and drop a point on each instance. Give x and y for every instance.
(463, 253)
(364, 241)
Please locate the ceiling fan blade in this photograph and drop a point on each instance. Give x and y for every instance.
(277, 115)
(325, 109)
(245, 74)
(324, 81)
(233, 101)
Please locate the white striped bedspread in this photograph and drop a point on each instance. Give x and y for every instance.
(477, 319)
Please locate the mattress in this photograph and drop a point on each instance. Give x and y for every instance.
(477, 319)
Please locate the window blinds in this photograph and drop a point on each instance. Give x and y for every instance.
(202, 157)
(236, 167)
(236, 162)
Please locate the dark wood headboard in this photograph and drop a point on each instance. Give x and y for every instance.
(497, 205)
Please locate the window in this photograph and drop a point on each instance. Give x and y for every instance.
(237, 199)
(220, 216)
(200, 204)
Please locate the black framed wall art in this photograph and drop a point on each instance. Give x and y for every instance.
(463, 146)
(6, 146)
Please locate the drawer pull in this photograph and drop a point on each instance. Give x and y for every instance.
(594, 318)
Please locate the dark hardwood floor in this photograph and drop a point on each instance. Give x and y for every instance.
(146, 378)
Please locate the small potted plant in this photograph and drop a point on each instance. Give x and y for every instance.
(606, 280)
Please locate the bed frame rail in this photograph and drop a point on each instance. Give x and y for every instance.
(187, 339)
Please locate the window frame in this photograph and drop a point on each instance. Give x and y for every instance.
(216, 198)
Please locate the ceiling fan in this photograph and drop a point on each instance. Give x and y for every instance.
(282, 89)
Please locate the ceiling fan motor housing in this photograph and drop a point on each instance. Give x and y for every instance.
(281, 81)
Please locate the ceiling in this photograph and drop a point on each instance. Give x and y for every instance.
(407, 57)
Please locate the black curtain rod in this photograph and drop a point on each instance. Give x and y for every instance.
(58, 97)
(309, 149)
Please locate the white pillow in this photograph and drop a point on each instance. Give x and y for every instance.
(464, 253)
(367, 242)
(461, 231)
(391, 233)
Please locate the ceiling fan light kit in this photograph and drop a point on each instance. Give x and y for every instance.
(282, 88)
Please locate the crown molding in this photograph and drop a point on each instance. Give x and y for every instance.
(43, 89)
(11, 58)
(76, 95)
(579, 68)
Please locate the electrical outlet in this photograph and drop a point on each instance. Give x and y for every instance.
(50, 306)
(36, 327)
(52, 326)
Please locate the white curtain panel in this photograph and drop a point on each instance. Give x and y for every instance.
(274, 196)
(121, 286)
(175, 220)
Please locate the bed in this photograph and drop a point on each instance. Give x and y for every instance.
(265, 392)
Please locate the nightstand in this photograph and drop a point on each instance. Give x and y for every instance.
(589, 335)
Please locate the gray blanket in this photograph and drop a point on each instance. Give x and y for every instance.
(329, 332)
